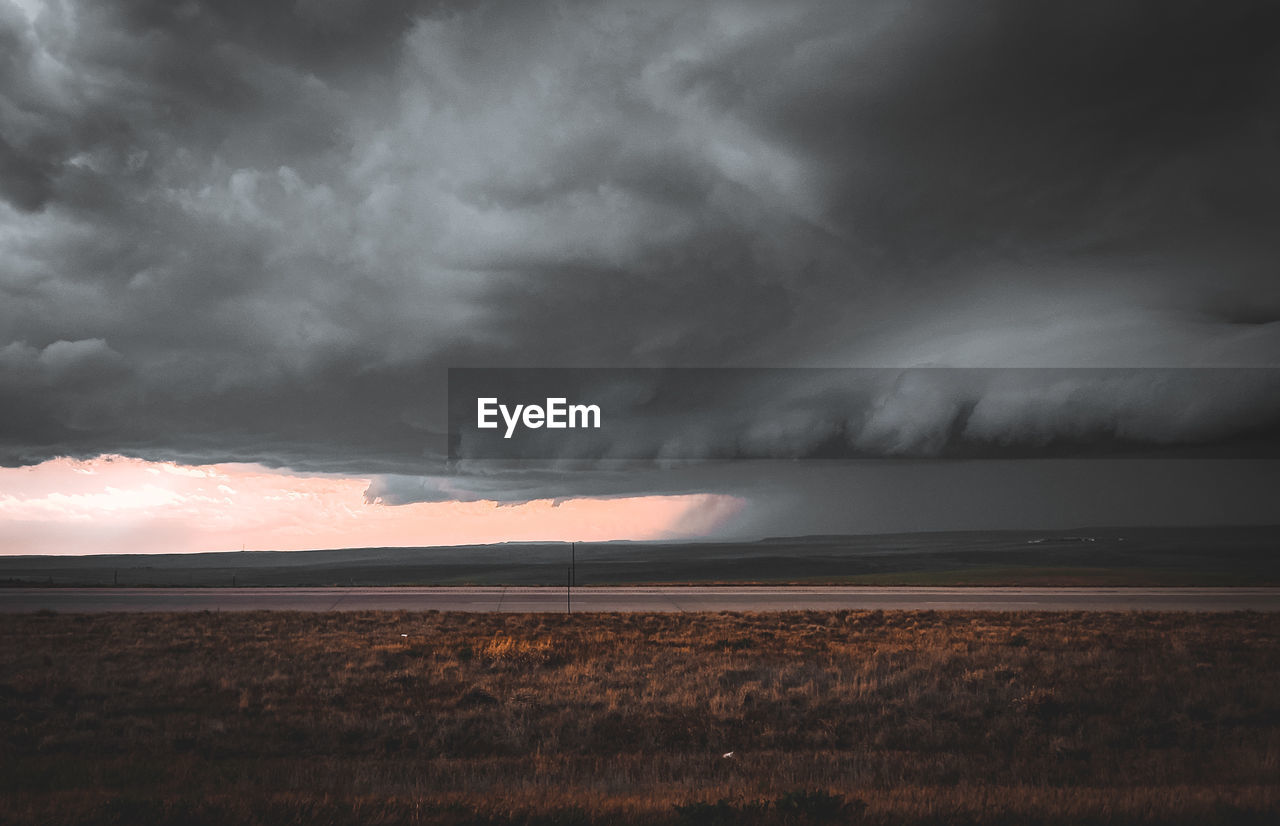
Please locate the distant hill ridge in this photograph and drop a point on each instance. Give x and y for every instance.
(1112, 555)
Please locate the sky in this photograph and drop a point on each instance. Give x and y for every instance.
(245, 241)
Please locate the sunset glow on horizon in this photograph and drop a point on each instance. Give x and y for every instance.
(116, 504)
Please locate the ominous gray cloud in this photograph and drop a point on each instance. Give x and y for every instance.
(262, 231)
(921, 412)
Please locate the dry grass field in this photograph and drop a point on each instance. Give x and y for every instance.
(841, 717)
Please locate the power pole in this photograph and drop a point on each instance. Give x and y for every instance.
(568, 591)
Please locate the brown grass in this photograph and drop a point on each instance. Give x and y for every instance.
(850, 716)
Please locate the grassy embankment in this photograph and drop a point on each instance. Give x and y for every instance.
(894, 717)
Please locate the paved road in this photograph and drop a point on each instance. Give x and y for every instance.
(677, 598)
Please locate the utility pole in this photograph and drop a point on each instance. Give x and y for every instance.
(568, 591)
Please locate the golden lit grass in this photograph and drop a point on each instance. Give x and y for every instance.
(850, 716)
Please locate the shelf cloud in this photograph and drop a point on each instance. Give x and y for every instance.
(248, 232)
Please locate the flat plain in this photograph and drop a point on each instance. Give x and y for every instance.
(1133, 556)
(639, 599)
(480, 718)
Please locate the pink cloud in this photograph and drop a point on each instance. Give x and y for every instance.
(115, 504)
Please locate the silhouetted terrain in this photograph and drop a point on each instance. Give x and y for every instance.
(1084, 556)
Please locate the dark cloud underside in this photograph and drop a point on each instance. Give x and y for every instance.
(261, 232)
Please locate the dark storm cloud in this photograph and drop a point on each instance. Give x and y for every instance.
(1065, 127)
(652, 424)
(261, 232)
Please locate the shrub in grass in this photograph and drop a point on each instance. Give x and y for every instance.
(817, 806)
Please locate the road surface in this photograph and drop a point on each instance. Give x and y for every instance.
(672, 598)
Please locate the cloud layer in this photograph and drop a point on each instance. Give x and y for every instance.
(258, 232)
(924, 412)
